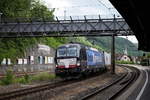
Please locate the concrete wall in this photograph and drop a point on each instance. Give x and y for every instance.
(37, 52)
(27, 68)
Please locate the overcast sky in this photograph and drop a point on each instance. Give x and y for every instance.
(79, 8)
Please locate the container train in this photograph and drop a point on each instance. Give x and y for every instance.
(75, 59)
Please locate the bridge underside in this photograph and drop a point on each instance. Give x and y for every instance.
(93, 27)
(135, 12)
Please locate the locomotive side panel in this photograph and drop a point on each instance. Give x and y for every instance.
(95, 59)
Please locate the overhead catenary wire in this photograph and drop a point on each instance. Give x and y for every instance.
(109, 8)
(98, 4)
(105, 6)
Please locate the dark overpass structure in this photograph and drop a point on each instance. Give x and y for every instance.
(136, 14)
(86, 27)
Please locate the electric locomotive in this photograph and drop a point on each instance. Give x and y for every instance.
(75, 59)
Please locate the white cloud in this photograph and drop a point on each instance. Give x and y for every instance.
(80, 7)
(57, 3)
(131, 38)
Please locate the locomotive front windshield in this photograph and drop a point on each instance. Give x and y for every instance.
(72, 51)
(67, 51)
(62, 52)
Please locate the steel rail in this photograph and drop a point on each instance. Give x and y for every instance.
(34, 89)
(134, 77)
(124, 81)
(47, 86)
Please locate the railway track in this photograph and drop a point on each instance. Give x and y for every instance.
(26, 91)
(43, 87)
(112, 90)
(121, 83)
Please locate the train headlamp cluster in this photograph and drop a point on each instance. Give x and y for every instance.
(78, 63)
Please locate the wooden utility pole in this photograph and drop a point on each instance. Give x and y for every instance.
(113, 55)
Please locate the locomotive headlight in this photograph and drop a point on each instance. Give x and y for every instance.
(78, 63)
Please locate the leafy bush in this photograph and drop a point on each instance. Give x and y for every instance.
(43, 76)
(24, 79)
(39, 77)
(27, 78)
(9, 79)
(20, 80)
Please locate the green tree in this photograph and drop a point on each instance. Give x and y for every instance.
(15, 47)
(39, 10)
(15, 8)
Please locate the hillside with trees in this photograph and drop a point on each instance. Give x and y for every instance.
(120, 45)
(16, 47)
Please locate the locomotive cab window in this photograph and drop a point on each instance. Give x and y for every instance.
(61, 52)
(72, 51)
(67, 51)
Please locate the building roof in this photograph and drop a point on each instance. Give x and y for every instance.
(119, 56)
